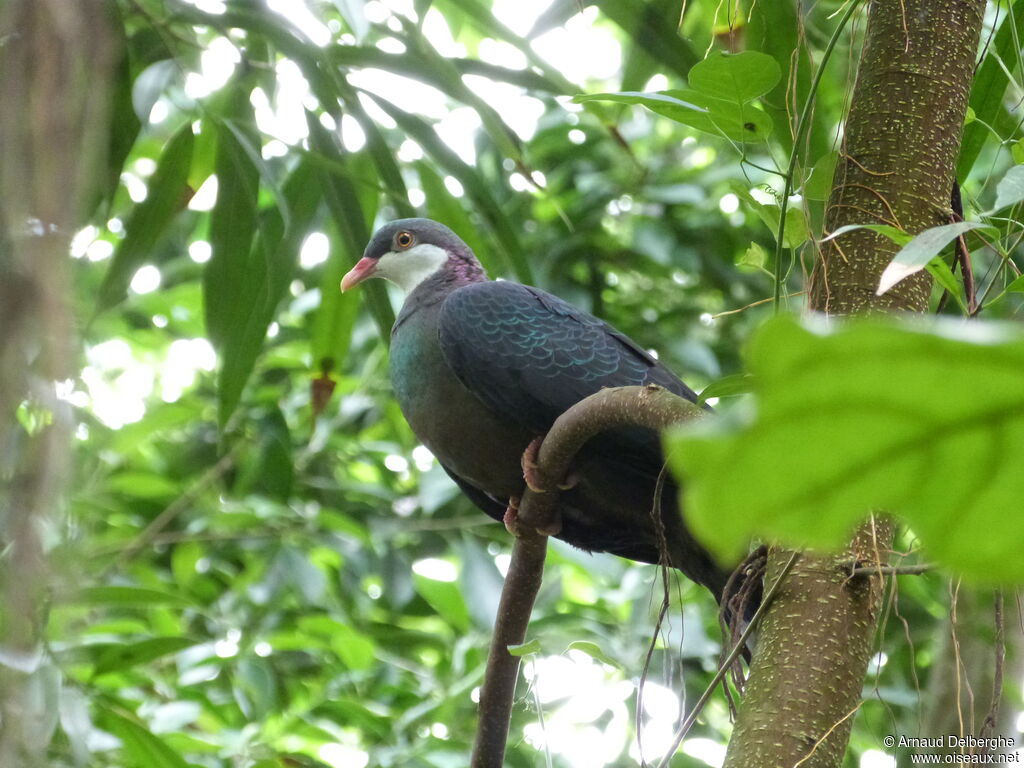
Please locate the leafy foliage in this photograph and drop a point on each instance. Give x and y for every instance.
(884, 444)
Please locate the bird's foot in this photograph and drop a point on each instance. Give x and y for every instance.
(531, 467)
(515, 525)
(552, 528)
(511, 517)
(569, 481)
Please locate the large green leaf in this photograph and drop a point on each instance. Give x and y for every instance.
(873, 416)
(168, 193)
(736, 77)
(446, 599)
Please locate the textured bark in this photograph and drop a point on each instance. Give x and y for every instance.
(811, 656)
(56, 63)
(896, 167)
(900, 148)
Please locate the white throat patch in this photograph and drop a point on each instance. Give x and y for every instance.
(407, 269)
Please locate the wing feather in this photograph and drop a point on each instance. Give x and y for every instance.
(529, 356)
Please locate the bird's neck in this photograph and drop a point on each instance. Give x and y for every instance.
(457, 271)
(462, 270)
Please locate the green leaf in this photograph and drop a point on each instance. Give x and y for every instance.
(355, 18)
(819, 184)
(594, 651)
(777, 29)
(796, 233)
(481, 582)
(355, 649)
(256, 686)
(1010, 189)
(869, 417)
(719, 117)
(1017, 151)
(524, 649)
(121, 657)
(123, 596)
(944, 276)
(167, 194)
(140, 747)
(1015, 286)
(349, 207)
(898, 236)
(445, 598)
(184, 559)
(232, 227)
(336, 316)
(752, 259)
(915, 255)
(736, 77)
(262, 282)
(143, 485)
(271, 468)
(989, 86)
(727, 386)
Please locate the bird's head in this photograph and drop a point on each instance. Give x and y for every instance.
(408, 251)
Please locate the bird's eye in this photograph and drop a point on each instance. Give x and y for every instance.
(404, 239)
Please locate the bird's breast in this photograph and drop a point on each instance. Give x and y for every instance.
(449, 419)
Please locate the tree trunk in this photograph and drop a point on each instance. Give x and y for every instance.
(896, 167)
(56, 61)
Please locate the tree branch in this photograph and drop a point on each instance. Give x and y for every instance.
(644, 406)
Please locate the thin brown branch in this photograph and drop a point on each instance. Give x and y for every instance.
(517, 597)
(991, 719)
(963, 255)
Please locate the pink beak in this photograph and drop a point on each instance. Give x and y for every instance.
(363, 269)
